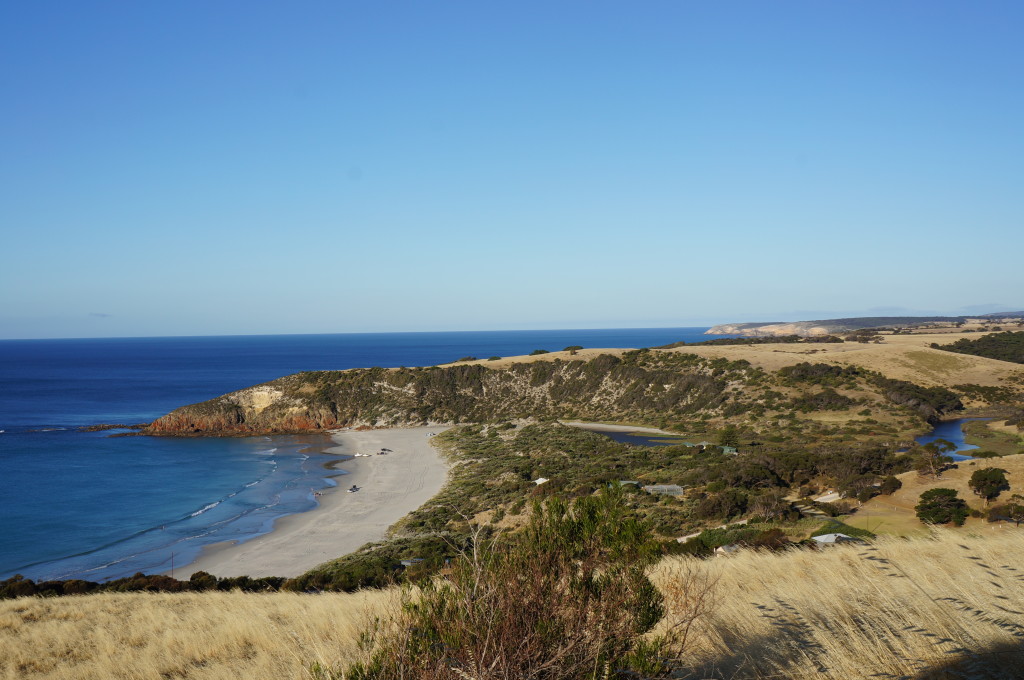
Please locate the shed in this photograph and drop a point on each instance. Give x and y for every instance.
(730, 449)
(411, 561)
(835, 539)
(724, 550)
(541, 480)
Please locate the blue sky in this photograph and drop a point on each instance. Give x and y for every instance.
(194, 168)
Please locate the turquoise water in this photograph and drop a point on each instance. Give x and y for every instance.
(86, 505)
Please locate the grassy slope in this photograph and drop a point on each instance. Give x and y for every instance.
(903, 357)
(895, 514)
(888, 610)
(205, 636)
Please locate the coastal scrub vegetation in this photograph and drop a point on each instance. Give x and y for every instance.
(494, 482)
(639, 385)
(755, 340)
(565, 598)
(1007, 346)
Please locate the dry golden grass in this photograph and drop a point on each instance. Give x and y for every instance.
(885, 610)
(904, 357)
(892, 609)
(205, 636)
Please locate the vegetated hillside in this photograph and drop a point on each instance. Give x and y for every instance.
(640, 385)
(643, 386)
(1008, 346)
(904, 357)
(891, 609)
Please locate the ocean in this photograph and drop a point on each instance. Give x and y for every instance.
(86, 505)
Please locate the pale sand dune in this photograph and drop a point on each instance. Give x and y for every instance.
(391, 486)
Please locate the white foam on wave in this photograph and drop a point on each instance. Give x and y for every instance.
(206, 508)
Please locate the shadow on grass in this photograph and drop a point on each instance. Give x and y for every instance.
(772, 658)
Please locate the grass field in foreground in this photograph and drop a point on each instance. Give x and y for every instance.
(892, 609)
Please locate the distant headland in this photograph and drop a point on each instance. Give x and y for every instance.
(880, 323)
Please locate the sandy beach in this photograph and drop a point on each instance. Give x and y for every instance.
(390, 487)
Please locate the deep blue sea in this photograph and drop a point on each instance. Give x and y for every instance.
(86, 505)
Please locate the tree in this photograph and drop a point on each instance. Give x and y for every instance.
(539, 351)
(988, 482)
(728, 436)
(941, 506)
(931, 458)
(771, 504)
(572, 349)
(890, 485)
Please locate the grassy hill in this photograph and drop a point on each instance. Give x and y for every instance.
(895, 514)
(946, 603)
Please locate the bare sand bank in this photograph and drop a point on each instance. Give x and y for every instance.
(390, 487)
(605, 427)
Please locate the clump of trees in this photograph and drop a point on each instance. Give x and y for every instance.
(1011, 512)
(988, 483)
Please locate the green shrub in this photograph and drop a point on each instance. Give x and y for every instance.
(569, 595)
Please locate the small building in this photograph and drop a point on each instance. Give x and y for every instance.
(667, 489)
(633, 482)
(730, 449)
(835, 539)
(541, 480)
(411, 561)
(726, 550)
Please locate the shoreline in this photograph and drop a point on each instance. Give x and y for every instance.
(391, 486)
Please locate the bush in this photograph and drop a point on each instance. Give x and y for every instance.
(539, 351)
(566, 599)
(890, 485)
